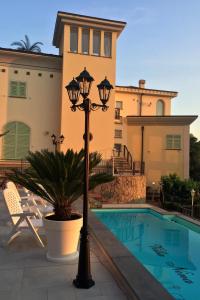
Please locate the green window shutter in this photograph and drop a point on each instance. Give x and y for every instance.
(177, 142)
(9, 141)
(173, 142)
(23, 140)
(169, 142)
(17, 89)
(14, 88)
(16, 142)
(22, 89)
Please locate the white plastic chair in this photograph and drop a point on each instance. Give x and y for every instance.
(29, 201)
(20, 219)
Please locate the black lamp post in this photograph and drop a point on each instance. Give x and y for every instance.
(57, 140)
(82, 85)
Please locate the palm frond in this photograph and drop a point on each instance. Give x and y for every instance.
(17, 44)
(25, 45)
(58, 177)
(27, 42)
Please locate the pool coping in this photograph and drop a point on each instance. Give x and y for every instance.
(155, 208)
(135, 280)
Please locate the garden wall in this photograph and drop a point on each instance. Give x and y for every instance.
(123, 189)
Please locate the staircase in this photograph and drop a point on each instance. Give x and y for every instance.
(123, 162)
(121, 166)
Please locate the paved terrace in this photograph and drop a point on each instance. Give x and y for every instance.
(25, 274)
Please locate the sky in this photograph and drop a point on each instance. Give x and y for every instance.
(161, 42)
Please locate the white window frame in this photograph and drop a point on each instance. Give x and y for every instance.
(88, 42)
(71, 30)
(107, 34)
(93, 48)
(158, 106)
(173, 142)
(119, 104)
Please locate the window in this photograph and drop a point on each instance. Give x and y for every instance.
(117, 114)
(85, 40)
(173, 142)
(96, 42)
(107, 43)
(74, 39)
(16, 142)
(119, 105)
(160, 108)
(118, 147)
(118, 133)
(18, 89)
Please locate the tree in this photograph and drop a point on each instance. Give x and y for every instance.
(58, 178)
(27, 46)
(194, 158)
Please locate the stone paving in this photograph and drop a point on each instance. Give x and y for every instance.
(25, 274)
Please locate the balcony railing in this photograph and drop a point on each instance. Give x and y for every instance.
(6, 166)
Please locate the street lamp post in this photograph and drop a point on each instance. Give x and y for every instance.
(192, 196)
(82, 85)
(57, 140)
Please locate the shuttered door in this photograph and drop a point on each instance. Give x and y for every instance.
(16, 142)
(9, 141)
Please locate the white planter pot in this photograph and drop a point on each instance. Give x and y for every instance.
(62, 239)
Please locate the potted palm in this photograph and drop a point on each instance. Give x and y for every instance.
(58, 178)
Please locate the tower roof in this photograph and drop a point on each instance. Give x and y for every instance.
(82, 20)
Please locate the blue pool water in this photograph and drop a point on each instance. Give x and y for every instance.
(167, 246)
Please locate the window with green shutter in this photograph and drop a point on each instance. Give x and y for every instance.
(17, 89)
(16, 143)
(173, 142)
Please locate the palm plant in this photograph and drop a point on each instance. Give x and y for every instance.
(27, 46)
(58, 178)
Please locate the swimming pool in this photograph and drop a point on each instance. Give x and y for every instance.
(166, 245)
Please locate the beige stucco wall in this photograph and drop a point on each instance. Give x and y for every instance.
(40, 110)
(158, 160)
(101, 123)
(131, 103)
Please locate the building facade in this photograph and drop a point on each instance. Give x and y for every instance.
(34, 103)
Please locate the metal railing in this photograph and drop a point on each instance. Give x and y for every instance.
(7, 165)
(128, 157)
(105, 166)
(137, 167)
(117, 114)
(190, 211)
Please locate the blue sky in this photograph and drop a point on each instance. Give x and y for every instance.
(160, 44)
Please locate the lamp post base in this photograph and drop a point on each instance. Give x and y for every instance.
(84, 278)
(83, 283)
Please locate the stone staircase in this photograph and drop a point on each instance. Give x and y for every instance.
(121, 166)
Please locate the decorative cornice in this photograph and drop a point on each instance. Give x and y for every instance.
(144, 91)
(82, 20)
(161, 120)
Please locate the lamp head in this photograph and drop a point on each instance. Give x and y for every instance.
(104, 90)
(73, 90)
(85, 82)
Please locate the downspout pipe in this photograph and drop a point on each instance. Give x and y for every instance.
(142, 151)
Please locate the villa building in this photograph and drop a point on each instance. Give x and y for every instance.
(138, 124)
